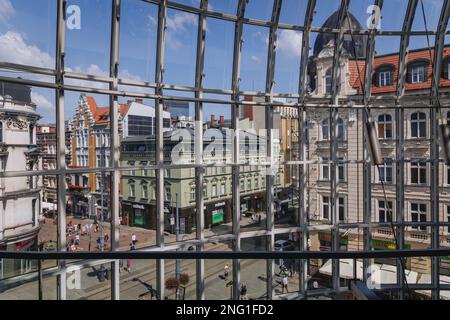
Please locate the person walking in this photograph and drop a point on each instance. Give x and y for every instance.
(134, 239)
(243, 292)
(285, 283)
(226, 270)
(77, 239)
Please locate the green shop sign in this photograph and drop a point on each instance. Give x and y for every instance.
(326, 237)
(217, 216)
(385, 245)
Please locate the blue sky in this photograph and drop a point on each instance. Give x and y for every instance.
(27, 36)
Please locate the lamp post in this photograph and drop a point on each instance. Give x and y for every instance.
(89, 230)
(177, 238)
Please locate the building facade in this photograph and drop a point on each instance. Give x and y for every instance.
(20, 196)
(46, 141)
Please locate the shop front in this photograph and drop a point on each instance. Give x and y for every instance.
(137, 215)
(14, 267)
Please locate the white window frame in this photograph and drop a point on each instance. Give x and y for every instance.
(144, 191)
(418, 74)
(418, 121)
(384, 122)
(384, 78)
(419, 166)
(322, 204)
(344, 206)
(325, 123)
(385, 210)
(322, 167)
(383, 168)
(419, 213)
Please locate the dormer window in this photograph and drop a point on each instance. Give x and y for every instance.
(446, 68)
(417, 72)
(384, 76)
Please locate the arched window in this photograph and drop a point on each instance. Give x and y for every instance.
(385, 126)
(418, 125)
(328, 81)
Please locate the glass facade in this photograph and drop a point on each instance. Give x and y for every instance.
(224, 126)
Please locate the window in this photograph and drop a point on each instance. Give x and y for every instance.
(418, 125)
(418, 74)
(325, 129)
(448, 219)
(132, 189)
(328, 81)
(384, 78)
(325, 207)
(222, 189)
(168, 195)
(192, 194)
(385, 171)
(419, 214)
(446, 68)
(384, 211)
(341, 171)
(205, 191)
(341, 129)
(145, 191)
(418, 172)
(256, 183)
(385, 126)
(249, 184)
(214, 190)
(1, 131)
(242, 185)
(324, 169)
(341, 208)
(141, 125)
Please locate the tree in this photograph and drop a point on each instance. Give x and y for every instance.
(184, 280)
(173, 284)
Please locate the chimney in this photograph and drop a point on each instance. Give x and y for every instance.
(222, 119)
(139, 100)
(212, 119)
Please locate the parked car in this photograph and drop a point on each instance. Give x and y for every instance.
(283, 245)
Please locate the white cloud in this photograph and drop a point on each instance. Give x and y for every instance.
(290, 42)
(256, 59)
(41, 101)
(16, 50)
(6, 10)
(180, 21)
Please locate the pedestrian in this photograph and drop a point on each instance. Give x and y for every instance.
(259, 218)
(243, 292)
(226, 269)
(129, 263)
(77, 239)
(120, 265)
(285, 283)
(106, 238)
(134, 239)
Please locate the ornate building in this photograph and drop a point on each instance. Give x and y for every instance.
(20, 196)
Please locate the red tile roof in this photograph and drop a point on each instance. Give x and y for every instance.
(393, 59)
(101, 114)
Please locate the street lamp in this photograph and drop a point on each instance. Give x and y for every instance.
(89, 230)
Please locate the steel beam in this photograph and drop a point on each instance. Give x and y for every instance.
(434, 130)
(400, 136)
(159, 155)
(114, 148)
(61, 145)
(367, 167)
(334, 146)
(270, 81)
(199, 171)
(303, 143)
(238, 42)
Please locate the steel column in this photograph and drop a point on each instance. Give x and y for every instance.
(434, 127)
(236, 200)
(61, 145)
(270, 81)
(367, 167)
(302, 142)
(199, 171)
(400, 135)
(334, 146)
(114, 148)
(159, 148)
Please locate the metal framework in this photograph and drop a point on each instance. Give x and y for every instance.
(304, 103)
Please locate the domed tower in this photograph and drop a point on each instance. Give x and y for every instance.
(350, 22)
